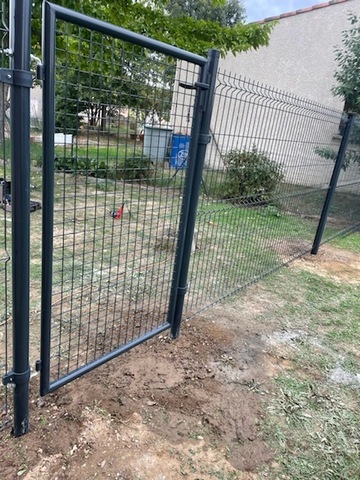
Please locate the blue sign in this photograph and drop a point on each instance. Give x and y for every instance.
(180, 151)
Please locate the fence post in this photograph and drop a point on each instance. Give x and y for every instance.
(333, 183)
(20, 78)
(200, 138)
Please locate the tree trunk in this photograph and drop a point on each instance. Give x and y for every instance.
(103, 118)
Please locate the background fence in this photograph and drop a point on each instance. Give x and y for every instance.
(344, 211)
(5, 227)
(260, 209)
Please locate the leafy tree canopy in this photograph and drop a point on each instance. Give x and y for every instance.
(227, 14)
(347, 74)
(194, 34)
(123, 75)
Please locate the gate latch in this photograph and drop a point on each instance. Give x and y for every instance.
(191, 86)
(18, 78)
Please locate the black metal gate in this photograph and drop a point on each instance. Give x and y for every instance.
(119, 111)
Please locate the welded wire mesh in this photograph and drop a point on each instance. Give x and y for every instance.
(5, 230)
(264, 186)
(344, 213)
(118, 192)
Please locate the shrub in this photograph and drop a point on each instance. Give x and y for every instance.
(80, 165)
(137, 168)
(251, 177)
(130, 168)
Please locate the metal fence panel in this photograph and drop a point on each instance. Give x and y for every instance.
(114, 175)
(264, 185)
(344, 210)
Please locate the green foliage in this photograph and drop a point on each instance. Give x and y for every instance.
(347, 76)
(132, 168)
(326, 152)
(228, 13)
(67, 117)
(271, 211)
(153, 20)
(250, 176)
(110, 74)
(348, 60)
(137, 168)
(352, 154)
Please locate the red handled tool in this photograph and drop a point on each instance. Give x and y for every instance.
(117, 214)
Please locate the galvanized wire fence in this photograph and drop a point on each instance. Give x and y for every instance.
(264, 187)
(5, 230)
(344, 211)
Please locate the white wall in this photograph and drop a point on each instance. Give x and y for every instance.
(300, 56)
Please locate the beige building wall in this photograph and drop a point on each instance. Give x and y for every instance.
(300, 57)
(300, 61)
(283, 127)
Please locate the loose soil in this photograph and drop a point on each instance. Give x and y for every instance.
(334, 263)
(168, 410)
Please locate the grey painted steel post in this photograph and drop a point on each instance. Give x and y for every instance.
(333, 183)
(20, 206)
(200, 138)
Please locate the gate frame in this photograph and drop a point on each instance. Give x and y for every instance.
(205, 94)
(202, 114)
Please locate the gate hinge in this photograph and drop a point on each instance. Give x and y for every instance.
(204, 139)
(18, 78)
(40, 72)
(191, 86)
(16, 378)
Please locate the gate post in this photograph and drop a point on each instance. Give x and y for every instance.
(200, 137)
(333, 183)
(20, 79)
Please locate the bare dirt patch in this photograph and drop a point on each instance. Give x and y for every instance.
(168, 409)
(334, 263)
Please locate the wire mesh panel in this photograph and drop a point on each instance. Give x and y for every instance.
(344, 211)
(118, 174)
(5, 229)
(264, 186)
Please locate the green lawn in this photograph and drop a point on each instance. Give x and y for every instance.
(312, 422)
(99, 261)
